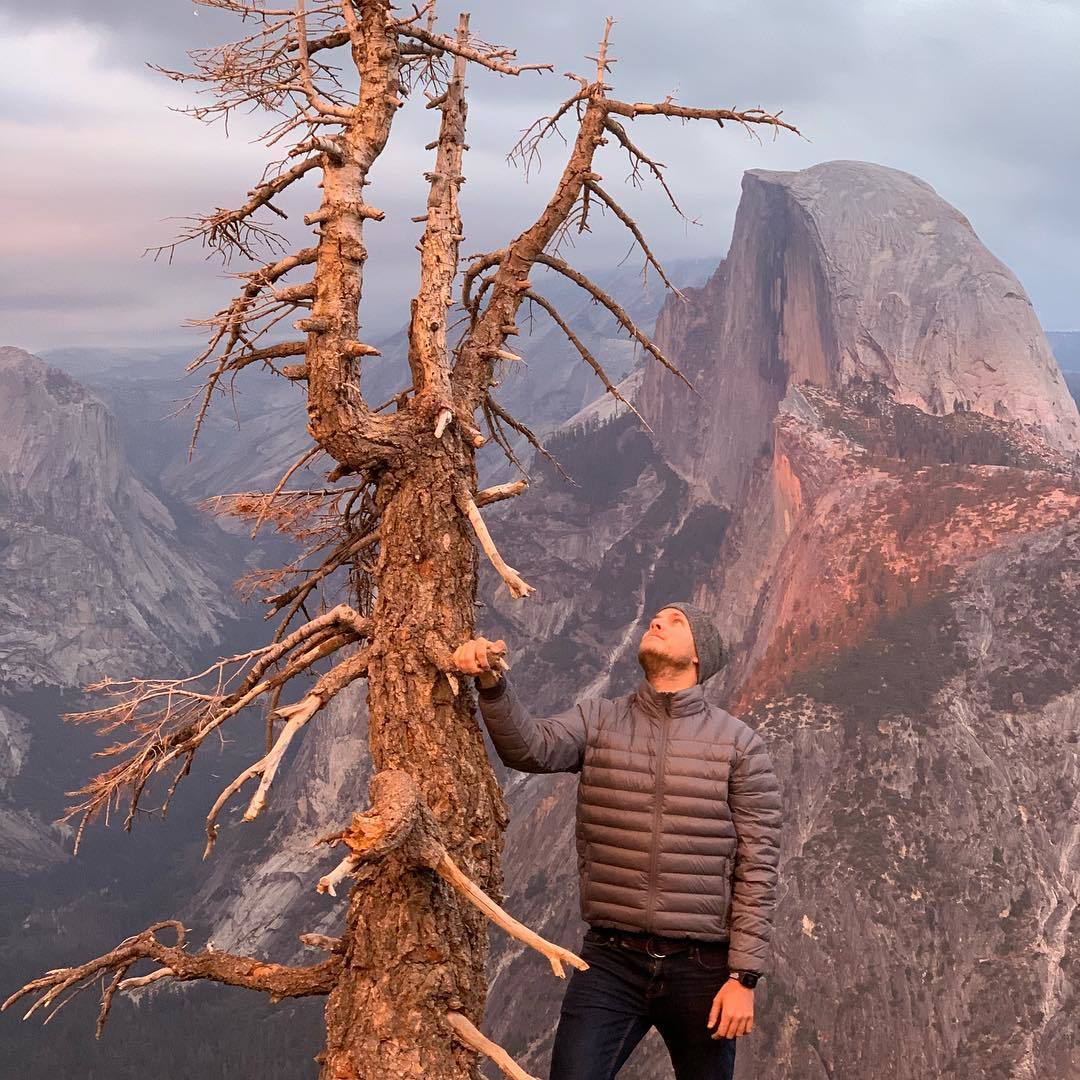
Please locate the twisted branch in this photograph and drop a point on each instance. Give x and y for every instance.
(277, 980)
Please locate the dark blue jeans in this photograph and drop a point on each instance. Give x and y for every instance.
(610, 1008)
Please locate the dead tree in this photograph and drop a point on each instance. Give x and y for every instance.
(400, 516)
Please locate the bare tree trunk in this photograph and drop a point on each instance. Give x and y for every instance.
(413, 950)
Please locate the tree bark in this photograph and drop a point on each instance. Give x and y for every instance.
(412, 949)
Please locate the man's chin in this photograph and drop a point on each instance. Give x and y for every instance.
(655, 661)
(649, 654)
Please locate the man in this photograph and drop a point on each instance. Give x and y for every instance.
(678, 839)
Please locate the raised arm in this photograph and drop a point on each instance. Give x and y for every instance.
(522, 741)
(532, 744)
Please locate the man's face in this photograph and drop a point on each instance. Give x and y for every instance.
(668, 644)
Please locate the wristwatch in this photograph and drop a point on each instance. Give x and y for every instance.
(747, 978)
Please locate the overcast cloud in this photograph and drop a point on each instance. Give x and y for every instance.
(978, 97)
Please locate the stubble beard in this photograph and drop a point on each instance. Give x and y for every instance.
(658, 664)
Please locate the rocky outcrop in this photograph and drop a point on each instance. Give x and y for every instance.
(847, 270)
(97, 576)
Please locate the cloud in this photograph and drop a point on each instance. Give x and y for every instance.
(975, 96)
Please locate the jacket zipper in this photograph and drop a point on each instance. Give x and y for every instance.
(654, 854)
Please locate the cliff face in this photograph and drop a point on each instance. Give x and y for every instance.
(94, 575)
(97, 578)
(913, 659)
(848, 270)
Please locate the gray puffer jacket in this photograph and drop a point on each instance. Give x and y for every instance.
(678, 811)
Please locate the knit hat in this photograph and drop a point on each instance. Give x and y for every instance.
(707, 641)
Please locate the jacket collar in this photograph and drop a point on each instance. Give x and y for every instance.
(659, 703)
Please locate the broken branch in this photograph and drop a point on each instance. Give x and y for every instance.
(400, 819)
(277, 980)
(470, 1035)
(518, 587)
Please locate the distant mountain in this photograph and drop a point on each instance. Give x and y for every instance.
(101, 574)
(97, 574)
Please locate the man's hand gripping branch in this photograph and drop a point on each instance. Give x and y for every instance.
(485, 659)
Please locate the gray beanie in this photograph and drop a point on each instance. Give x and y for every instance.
(707, 640)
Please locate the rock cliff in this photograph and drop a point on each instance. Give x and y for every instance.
(847, 270)
(97, 575)
(97, 578)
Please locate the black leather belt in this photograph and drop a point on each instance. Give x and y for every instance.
(653, 944)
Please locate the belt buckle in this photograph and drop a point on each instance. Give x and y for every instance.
(648, 949)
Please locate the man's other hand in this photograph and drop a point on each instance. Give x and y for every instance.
(733, 1007)
(483, 658)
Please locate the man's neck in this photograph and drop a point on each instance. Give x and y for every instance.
(669, 682)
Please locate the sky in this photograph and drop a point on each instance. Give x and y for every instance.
(978, 97)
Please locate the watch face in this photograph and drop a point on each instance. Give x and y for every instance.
(748, 979)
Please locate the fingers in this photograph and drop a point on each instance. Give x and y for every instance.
(477, 655)
(734, 1027)
(465, 660)
(728, 1030)
(729, 1019)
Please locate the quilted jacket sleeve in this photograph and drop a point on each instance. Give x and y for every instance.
(754, 798)
(531, 744)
